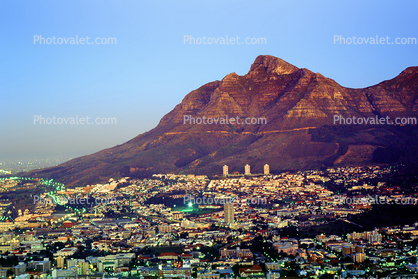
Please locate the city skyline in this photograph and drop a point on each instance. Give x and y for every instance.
(209, 140)
(286, 224)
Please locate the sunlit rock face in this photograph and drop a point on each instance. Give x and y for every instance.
(295, 110)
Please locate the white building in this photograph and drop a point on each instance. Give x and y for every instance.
(114, 261)
(247, 169)
(225, 170)
(66, 252)
(266, 169)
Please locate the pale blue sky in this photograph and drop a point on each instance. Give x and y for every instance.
(150, 69)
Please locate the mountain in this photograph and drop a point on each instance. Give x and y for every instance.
(299, 107)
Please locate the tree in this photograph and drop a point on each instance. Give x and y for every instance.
(327, 276)
(109, 269)
(304, 246)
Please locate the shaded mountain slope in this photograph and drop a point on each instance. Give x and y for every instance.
(298, 106)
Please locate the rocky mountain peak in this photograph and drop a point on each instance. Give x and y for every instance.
(410, 71)
(270, 64)
(299, 106)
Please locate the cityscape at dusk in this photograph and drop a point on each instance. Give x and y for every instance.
(209, 140)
